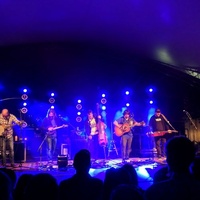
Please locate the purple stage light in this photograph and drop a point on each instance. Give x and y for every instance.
(150, 90)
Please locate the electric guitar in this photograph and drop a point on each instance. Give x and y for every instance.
(3, 127)
(125, 128)
(52, 129)
(159, 133)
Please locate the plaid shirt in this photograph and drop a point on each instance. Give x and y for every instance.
(8, 133)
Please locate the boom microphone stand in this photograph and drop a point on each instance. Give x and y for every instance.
(168, 121)
(40, 149)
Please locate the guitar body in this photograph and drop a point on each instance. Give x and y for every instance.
(124, 128)
(160, 133)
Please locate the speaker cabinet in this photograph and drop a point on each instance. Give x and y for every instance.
(19, 152)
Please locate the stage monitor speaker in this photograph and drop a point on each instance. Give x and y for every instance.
(19, 152)
(62, 161)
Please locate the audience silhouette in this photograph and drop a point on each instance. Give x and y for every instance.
(81, 185)
(180, 153)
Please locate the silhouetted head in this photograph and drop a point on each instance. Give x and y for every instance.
(180, 153)
(82, 162)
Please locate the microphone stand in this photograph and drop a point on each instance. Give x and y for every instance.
(190, 118)
(168, 121)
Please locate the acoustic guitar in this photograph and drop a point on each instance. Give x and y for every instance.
(159, 133)
(125, 128)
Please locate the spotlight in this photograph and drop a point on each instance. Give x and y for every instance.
(127, 92)
(103, 108)
(78, 119)
(150, 90)
(52, 107)
(24, 110)
(24, 104)
(78, 113)
(103, 100)
(79, 101)
(151, 102)
(24, 90)
(103, 95)
(24, 96)
(127, 104)
(52, 94)
(78, 106)
(51, 100)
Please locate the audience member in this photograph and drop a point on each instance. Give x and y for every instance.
(21, 185)
(42, 186)
(81, 185)
(180, 153)
(5, 187)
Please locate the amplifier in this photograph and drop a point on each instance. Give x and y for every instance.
(19, 152)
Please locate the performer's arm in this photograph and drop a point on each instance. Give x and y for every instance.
(116, 123)
(15, 120)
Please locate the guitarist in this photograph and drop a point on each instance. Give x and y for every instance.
(6, 121)
(158, 123)
(127, 137)
(49, 123)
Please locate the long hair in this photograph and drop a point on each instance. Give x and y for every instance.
(51, 110)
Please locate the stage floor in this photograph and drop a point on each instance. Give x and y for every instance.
(145, 168)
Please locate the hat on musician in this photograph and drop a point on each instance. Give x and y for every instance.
(158, 110)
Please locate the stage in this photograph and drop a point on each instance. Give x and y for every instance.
(145, 168)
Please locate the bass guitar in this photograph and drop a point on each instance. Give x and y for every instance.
(52, 129)
(159, 133)
(125, 128)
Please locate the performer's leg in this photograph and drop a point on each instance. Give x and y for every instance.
(11, 149)
(157, 141)
(129, 147)
(49, 148)
(123, 146)
(163, 146)
(54, 144)
(4, 151)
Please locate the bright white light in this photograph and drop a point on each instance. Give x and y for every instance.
(127, 104)
(52, 94)
(24, 104)
(103, 108)
(103, 95)
(79, 101)
(78, 113)
(150, 90)
(24, 90)
(151, 102)
(127, 92)
(52, 107)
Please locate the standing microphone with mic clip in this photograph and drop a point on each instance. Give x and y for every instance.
(190, 118)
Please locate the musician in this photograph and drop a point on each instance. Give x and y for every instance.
(127, 137)
(6, 121)
(49, 123)
(92, 134)
(158, 123)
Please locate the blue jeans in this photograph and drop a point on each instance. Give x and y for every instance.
(126, 142)
(7, 142)
(51, 147)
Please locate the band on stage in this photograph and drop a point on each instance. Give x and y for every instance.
(95, 133)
